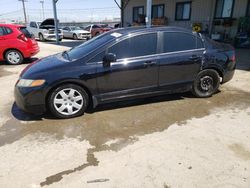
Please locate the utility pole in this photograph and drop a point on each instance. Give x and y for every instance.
(42, 3)
(55, 20)
(24, 11)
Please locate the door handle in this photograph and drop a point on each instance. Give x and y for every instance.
(150, 63)
(195, 58)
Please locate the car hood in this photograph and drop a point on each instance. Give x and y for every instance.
(45, 65)
(49, 21)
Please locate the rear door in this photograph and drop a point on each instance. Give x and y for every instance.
(135, 71)
(180, 60)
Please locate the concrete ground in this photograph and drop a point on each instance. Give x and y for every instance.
(170, 141)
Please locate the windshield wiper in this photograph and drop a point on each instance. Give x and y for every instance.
(65, 53)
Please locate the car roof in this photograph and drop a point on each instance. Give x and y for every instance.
(11, 25)
(144, 29)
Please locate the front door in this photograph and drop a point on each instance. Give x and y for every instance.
(2, 41)
(136, 69)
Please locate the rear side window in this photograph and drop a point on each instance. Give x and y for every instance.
(8, 30)
(136, 46)
(174, 42)
(33, 24)
(2, 31)
(25, 32)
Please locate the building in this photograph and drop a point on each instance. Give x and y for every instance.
(218, 18)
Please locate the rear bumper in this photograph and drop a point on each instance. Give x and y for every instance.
(31, 51)
(30, 100)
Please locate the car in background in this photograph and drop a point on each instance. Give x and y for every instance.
(76, 33)
(44, 30)
(97, 29)
(125, 64)
(16, 43)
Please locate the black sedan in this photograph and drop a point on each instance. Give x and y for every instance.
(125, 64)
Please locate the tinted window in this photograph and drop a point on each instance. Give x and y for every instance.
(33, 24)
(178, 42)
(89, 46)
(95, 27)
(1, 31)
(199, 43)
(8, 30)
(25, 32)
(97, 58)
(136, 46)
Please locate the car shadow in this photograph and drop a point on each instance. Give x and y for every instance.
(23, 116)
(26, 61)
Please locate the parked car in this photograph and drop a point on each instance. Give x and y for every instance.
(76, 33)
(44, 30)
(97, 29)
(16, 43)
(125, 64)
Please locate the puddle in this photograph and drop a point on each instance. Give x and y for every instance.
(123, 122)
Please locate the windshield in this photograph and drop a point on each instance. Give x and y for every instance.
(89, 46)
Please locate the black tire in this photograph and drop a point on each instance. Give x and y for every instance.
(54, 107)
(75, 37)
(97, 34)
(18, 57)
(206, 83)
(41, 37)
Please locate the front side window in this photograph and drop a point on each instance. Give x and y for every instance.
(140, 45)
(174, 42)
(224, 8)
(183, 11)
(137, 13)
(157, 11)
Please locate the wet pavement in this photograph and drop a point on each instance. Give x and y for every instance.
(112, 128)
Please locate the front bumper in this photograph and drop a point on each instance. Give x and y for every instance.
(84, 36)
(31, 100)
(52, 36)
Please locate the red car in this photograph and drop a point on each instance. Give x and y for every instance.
(97, 29)
(16, 43)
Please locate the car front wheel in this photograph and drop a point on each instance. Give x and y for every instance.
(206, 83)
(14, 57)
(68, 101)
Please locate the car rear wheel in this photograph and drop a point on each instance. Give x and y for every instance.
(206, 84)
(75, 37)
(41, 37)
(68, 101)
(14, 57)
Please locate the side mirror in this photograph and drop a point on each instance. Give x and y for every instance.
(108, 58)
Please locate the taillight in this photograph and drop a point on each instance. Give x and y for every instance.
(233, 58)
(22, 37)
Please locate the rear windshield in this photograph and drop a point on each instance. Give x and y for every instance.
(91, 45)
(25, 32)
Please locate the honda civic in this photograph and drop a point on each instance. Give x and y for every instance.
(125, 64)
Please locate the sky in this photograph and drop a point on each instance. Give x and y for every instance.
(68, 10)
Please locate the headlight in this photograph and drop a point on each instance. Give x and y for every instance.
(30, 83)
(45, 31)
